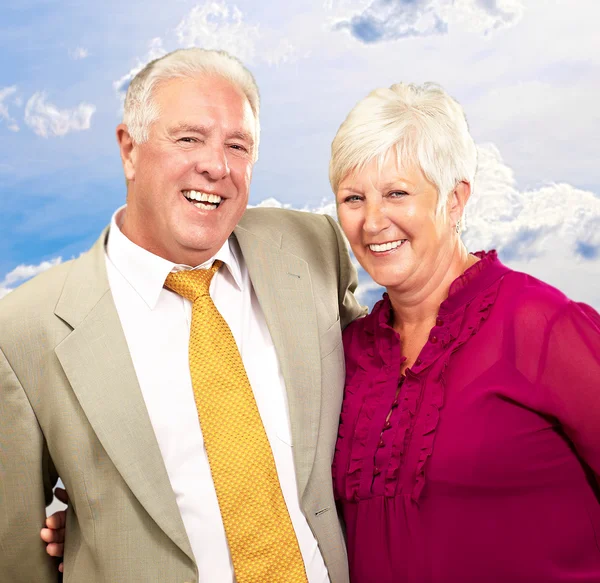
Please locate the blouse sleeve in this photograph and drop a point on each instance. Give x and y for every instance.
(569, 376)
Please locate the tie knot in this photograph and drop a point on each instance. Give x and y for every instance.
(192, 284)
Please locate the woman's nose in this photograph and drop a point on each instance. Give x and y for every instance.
(376, 218)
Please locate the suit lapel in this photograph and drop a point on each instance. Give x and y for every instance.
(282, 284)
(96, 360)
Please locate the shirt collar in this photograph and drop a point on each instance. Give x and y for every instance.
(146, 272)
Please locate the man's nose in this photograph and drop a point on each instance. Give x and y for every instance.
(212, 162)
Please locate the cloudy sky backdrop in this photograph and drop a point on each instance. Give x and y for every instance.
(527, 73)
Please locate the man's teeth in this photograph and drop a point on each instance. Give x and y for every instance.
(386, 246)
(205, 205)
(213, 199)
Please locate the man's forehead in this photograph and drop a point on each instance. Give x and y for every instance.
(200, 94)
(206, 86)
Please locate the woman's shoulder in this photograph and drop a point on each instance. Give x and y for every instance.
(529, 292)
(535, 304)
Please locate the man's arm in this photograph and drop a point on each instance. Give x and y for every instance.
(26, 480)
(350, 309)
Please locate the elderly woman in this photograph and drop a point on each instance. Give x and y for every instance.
(469, 442)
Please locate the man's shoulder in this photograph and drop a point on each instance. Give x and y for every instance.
(39, 294)
(276, 217)
(295, 227)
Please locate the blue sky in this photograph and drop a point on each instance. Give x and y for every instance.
(526, 72)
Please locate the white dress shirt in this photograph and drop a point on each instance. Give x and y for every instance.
(156, 323)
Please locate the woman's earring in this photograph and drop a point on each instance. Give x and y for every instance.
(458, 226)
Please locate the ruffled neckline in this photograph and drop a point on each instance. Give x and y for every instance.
(463, 289)
(474, 280)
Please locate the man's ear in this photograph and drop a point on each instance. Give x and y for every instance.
(457, 199)
(128, 151)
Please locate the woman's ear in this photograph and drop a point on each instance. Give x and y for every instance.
(457, 200)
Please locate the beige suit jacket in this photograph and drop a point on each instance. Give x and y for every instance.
(70, 405)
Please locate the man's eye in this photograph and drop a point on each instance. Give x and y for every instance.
(397, 194)
(188, 140)
(238, 147)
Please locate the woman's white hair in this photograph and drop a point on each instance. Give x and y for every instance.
(422, 124)
(140, 110)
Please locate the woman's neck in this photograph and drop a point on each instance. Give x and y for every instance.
(418, 308)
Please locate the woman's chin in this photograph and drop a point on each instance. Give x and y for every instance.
(391, 280)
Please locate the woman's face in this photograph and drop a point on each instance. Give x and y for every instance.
(389, 216)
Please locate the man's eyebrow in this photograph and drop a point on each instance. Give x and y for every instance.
(244, 136)
(187, 127)
(203, 130)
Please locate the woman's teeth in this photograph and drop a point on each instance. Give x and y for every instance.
(386, 246)
(202, 200)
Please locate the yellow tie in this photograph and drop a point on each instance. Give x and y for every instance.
(261, 538)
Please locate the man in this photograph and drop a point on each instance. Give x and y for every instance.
(97, 385)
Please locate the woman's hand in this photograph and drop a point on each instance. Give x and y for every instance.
(54, 533)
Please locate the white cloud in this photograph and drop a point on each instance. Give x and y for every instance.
(155, 51)
(215, 25)
(389, 20)
(22, 273)
(554, 222)
(279, 51)
(486, 16)
(552, 232)
(327, 207)
(79, 53)
(5, 93)
(45, 119)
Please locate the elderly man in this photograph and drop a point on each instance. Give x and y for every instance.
(183, 377)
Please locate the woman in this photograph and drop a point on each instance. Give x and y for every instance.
(469, 442)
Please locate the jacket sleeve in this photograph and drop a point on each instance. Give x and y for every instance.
(26, 480)
(350, 309)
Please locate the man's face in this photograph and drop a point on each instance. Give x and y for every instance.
(188, 184)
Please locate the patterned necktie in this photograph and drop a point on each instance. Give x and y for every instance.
(261, 538)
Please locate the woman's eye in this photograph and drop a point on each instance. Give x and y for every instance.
(352, 198)
(397, 194)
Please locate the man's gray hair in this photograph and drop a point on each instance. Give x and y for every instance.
(140, 110)
(422, 124)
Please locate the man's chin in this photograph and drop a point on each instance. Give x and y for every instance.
(196, 250)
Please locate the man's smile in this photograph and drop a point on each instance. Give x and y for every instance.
(202, 200)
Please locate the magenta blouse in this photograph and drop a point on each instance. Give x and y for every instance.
(479, 465)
